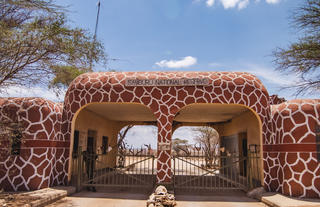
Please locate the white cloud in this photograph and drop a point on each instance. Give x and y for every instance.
(277, 82)
(139, 135)
(274, 81)
(243, 4)
(183, 63)
(15, 91)
(210, 3)
(240, 4)
(266, 74)
(227, 4)
(271, 75)
(272, 1)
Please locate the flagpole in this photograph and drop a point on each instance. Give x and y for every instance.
(95, 32)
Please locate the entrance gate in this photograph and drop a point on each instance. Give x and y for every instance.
(192, 170)
(196, 170)
(131, 169)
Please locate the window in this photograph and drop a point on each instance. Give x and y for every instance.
(75, 143)
(104, 144)
(16, 142)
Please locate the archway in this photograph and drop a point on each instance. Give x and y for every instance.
(95, 129)
(239, 150)
(159, 91)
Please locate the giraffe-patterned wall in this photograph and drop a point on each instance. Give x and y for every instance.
(291, 163)
(44, 153)
(165, 102)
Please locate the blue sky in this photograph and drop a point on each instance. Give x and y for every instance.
(143, 32)
(192, 35)
(187, 35)
(140, 135)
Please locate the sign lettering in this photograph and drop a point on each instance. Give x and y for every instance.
(168, 82)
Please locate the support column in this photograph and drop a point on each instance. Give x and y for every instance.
(164, 170)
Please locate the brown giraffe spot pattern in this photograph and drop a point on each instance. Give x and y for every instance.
(35, 167)
(165, 102)
(48, 165)
(296, 170)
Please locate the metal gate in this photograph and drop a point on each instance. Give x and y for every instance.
(198, 171)
(132, 169)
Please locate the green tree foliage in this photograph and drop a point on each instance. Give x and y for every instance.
(37, 46)
(303, 57)
(180, 145)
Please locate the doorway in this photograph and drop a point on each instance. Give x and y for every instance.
(91, 142)
(235, 167)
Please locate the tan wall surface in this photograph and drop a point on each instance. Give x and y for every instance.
(88, 120)
(246, 122)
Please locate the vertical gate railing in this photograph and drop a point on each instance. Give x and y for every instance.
(76, 169)
(195, 171)
(131, 169)
(254, 168)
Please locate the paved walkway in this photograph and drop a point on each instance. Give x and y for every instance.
(278, 200)
(102, 199)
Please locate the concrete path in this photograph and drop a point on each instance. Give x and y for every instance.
(102, 199)
(278, 200)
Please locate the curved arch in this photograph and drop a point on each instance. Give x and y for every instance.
(117, 114)
(166, 101)
(104, 103)
(224, 87)
(238, 109)
(226, 105)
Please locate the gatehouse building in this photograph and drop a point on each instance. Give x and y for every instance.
(283, 135)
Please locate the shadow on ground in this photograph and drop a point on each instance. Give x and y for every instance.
(229, 196)
(138, 198)
(116, 193)
(143, 194)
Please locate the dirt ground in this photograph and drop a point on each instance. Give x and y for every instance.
(116, 199)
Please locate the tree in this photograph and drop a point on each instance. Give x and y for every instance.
(303, 56)
(37, 46)
(12, 132)
(122, 145)
(181, 145)
(208, 139)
